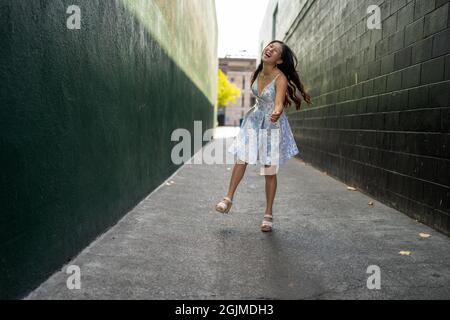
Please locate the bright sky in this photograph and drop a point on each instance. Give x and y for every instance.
(239, 24)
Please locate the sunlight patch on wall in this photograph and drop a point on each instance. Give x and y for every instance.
(187, 31)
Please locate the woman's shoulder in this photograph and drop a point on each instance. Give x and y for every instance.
(280, 77)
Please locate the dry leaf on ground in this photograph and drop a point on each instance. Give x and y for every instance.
(424, 235)
(351, 188)
(405, 253)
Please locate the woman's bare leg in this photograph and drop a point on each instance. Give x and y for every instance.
(236, 177)
(271, 189)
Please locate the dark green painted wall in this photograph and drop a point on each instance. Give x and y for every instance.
(85, 123)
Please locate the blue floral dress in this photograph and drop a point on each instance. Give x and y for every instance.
(260, 141)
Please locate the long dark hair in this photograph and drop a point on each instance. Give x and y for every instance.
(288, 67)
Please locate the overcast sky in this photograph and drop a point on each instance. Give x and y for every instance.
(239, 24)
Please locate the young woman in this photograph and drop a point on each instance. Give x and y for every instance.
(265, 135)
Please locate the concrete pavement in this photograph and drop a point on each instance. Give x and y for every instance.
(174, 245)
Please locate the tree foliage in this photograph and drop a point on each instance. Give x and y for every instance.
(228, 92)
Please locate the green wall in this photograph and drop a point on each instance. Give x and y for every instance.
(86, 118)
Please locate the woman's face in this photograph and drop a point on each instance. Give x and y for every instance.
(272, 53)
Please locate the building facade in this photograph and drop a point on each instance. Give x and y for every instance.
(381, 117)
(239, 72)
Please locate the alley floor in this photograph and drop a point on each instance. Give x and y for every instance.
(173, 245)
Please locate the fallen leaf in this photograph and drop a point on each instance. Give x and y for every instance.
(424, 235)
(351, 188)
(370, 203)
(405, 253)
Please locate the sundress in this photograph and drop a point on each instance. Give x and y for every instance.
(260, 141)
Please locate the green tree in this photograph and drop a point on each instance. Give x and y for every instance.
(228, 92)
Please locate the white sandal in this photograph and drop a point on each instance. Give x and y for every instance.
(267, 224)
(224, 207)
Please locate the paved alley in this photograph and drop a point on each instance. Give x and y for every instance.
(174, 245)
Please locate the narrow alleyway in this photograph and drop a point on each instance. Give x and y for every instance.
(174, 245)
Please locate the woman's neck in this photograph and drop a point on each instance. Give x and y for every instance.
(267, 69)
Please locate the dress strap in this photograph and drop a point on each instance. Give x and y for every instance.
(275, 79)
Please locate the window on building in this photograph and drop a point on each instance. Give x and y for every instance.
(274, 23)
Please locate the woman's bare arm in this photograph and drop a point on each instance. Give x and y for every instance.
(281, 84)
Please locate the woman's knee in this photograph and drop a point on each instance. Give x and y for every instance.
(268, 170)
